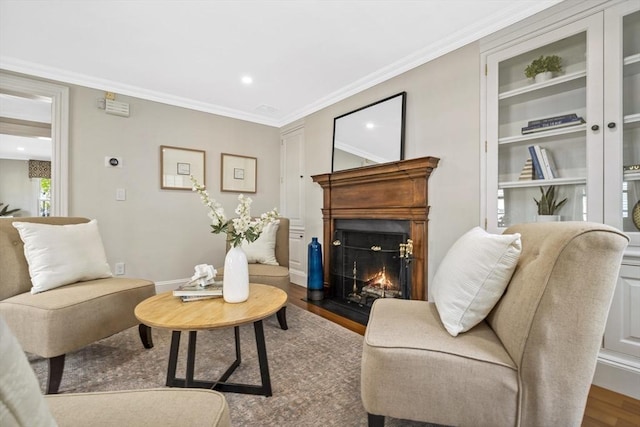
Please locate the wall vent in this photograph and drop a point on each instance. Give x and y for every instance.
(117, 108)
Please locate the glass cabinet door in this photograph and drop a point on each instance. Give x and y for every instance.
(520, 112)
(622, 117)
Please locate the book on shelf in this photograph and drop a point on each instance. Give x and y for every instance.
(527, 171)
(537, 161)
(552, 125)
(191, 289)
(549, 165)
(562, 118)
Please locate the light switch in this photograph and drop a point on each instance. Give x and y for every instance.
(121, 194)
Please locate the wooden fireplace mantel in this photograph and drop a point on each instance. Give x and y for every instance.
(395, 190)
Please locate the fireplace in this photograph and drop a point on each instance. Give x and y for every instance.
(375, 234)
(370, 259)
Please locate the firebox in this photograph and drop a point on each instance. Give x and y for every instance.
(370, 259)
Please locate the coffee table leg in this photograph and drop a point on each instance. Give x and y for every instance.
(173, 358)
(191, 358)
(262, 358)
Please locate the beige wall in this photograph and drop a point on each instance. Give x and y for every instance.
(443, 120)
(159, 234)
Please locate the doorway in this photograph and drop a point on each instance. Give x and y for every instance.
(26, 107)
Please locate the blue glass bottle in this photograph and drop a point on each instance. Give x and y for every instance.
(315, 273)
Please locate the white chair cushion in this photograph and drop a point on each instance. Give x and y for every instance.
(62, 254)
(473, 276)
(263, 249)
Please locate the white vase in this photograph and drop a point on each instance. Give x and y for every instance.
(541, 218)
(543, 77)
(235, 284)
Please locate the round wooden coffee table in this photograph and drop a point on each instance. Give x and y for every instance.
(168, 312)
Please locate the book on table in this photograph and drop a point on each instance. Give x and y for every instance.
(191, 290)
(198, 297)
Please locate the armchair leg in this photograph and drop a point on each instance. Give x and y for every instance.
(145, 335)
(282, 318)
(375, 420)
(56, 366)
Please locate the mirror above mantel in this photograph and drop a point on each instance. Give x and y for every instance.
(370, 135)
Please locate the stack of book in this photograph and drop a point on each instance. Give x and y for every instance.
(552, 123)
(543, 165)
(193, 291)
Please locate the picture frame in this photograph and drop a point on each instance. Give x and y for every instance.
(238, 174)
(177, 164)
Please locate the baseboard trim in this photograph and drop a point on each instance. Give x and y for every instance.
(613, 373)
(298, 277)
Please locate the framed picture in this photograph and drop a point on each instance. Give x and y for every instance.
(177, 164)
(238, 173)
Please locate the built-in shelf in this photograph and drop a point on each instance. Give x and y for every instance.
(537, 86)
(631, 175)
(543, 134)
(542, 182)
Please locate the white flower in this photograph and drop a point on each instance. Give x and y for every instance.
(242, 228)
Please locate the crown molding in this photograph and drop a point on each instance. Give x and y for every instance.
(63, 76)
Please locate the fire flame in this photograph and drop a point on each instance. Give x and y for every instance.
(381, 280)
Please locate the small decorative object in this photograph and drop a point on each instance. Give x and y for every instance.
(636, 215)
(204, 275)
(6, 211)
(527, 173)
(315, 275)
(547, 206)
(542, 68)
(235, 284)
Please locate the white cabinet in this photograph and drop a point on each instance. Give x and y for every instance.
(597, 162)
(513, 101)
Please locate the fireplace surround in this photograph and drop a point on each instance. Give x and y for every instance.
(382, 203)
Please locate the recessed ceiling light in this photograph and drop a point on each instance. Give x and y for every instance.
(370, 125)
(20, 148)
(247, 80)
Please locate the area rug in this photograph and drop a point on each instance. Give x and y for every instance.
(314, 367)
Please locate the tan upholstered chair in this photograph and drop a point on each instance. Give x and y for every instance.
(530, 363)
(22, 404)
(274, 275)
(61, 320)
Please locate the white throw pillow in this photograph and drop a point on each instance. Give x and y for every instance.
(263, 249)
(473, 276)
(62, 254)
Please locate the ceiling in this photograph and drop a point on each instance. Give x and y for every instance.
(302, 55)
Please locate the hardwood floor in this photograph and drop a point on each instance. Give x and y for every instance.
(604, 407)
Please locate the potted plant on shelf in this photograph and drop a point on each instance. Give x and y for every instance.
(542, 69)
(547, 206)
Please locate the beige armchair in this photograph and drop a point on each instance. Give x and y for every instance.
(274, 275)
(529, 363)
(61, 320)
(22, 404)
